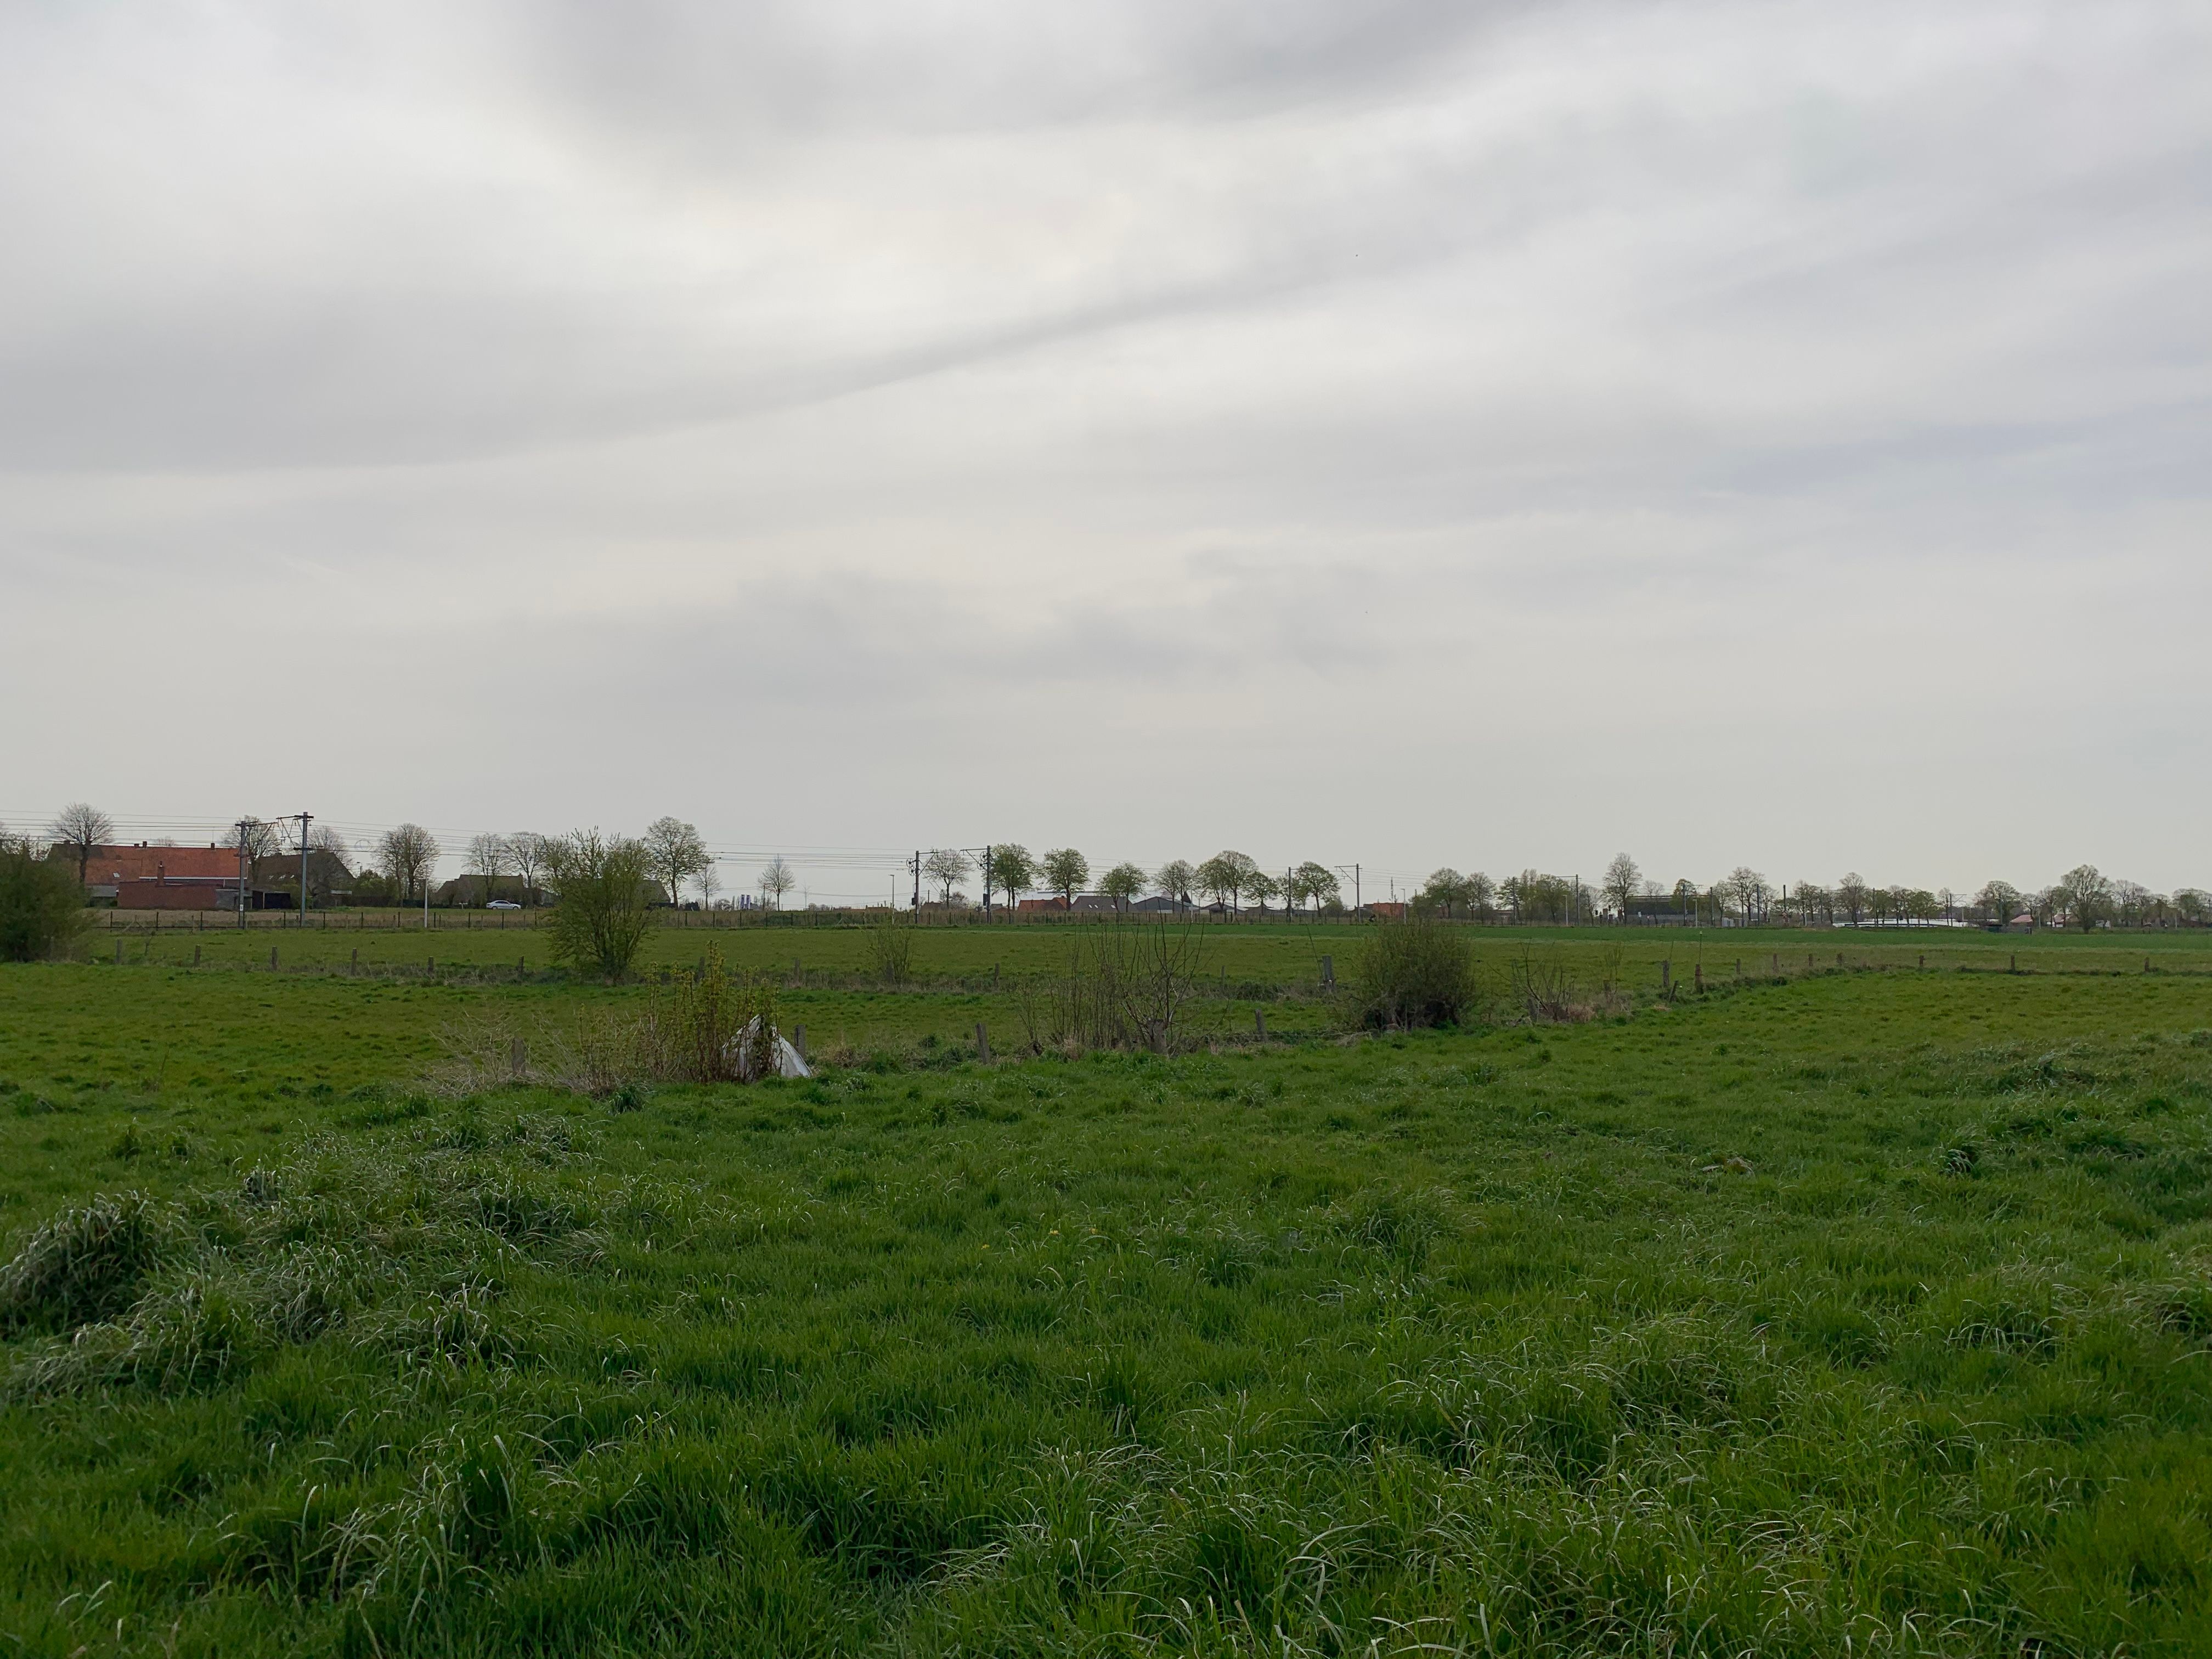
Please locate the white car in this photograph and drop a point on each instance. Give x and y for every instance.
(502, 904)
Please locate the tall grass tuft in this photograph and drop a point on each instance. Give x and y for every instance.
(85, 1264)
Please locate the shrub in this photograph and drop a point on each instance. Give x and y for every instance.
(891, 950)
(600, 922)
(1122, 986)
(42, 911)
(1414, 972)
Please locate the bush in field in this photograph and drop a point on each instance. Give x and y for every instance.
(42, 910)
(1121, 986)
(891, 950)
(601, 920)
(1414, 972)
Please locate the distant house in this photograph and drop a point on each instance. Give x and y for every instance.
(1385, 910)
(1160, 905)
(1094, 904)
(151, 876)
(1660, 911)
(1056, 902)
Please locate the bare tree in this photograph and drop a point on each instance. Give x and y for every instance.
(490, 857)
(673, 853)
(944, 867)
(1064, 870)
(263, 838)
(709, 880)
(1123, 884)
(775, 880)
(408, 855)
(81, 827)
(1621, 883)
(531, 853)
(1748, 888)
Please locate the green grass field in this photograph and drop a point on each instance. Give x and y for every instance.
(1824, 1313)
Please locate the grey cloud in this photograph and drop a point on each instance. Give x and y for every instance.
(1600, 423)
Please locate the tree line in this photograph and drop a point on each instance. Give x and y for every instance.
(2084, 897)
(399, 868)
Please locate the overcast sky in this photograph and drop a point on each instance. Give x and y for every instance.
(1412, 433)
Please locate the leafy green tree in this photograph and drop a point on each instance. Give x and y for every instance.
(1123, 884)
(1259, 887)
(1314, 885)
(42, 911)
(1444, 894)
(601, 923)
(1227, 876)
(1175, 879)
(1064, 872)
(1012, 872)
(674, 853)
(1481, 897)
(2088, 896)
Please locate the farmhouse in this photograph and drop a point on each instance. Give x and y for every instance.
(150, 876)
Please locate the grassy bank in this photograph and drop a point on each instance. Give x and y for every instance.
(1859, 1311)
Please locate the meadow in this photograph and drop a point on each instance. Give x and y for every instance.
(1856, 1308)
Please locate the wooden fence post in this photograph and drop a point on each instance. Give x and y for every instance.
(798, 1042)
(272, 958)
(1666, 976)
(1700, 971)
(119, 953)
(196, 955)
(1329, 973)
(982, 1043)
(1260, 1022)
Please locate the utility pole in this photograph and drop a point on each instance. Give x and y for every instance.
(304, 819)
(245, 875)
(917, 884)
(986, 884)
